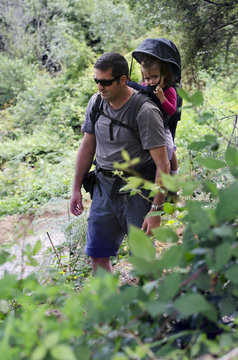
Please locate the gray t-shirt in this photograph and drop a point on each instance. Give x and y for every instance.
(150, 126)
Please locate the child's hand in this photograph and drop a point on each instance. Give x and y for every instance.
(159, 93)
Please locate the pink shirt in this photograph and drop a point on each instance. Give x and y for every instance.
(169, 105)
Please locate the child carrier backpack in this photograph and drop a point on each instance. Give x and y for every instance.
(165, 50)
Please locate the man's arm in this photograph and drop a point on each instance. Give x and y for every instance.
(83, 163)
(160, 157)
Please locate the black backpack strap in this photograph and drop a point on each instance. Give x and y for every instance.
(94, 112)
(138, 101)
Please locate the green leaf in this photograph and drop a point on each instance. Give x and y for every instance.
(62, 352)
(170, 182)
(210, 187)
(37, 247)
(205, 117)
(197, 145)
(4, 256)
(142, 266)
(231, 157)
(165, 234)
(227, 208)
(232, 274)
(133, 182)
(39, 353)
(197, 98)
(125, 155)
(222, 255)
(169, 286)
(155, 307)
(171, 257)
(188, 187)
(51, 339)
(198, 218)
(141, 245)
(169, 208)
(183, 94)
(191, 304)
(211, 163)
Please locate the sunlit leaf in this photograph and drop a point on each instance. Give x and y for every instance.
(125, 155)
(39, 353)
(36, 247)
(169, 208)
(62, 352)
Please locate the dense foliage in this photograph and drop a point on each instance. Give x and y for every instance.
(185, 303)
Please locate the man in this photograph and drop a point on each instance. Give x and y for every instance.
(109, 218)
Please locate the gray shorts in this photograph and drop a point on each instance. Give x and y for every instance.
(109, 220)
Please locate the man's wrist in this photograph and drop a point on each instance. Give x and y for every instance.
(157, 207)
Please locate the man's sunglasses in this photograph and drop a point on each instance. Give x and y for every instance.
(105, 82)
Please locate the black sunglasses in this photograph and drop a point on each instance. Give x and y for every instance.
(105, 82)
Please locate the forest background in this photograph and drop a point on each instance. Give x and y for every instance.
(47, 51)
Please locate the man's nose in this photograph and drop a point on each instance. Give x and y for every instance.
(99, 86)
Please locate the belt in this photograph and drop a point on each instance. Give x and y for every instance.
(107, 173)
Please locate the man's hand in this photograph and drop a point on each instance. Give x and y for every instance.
(76, 205)
(149, 223)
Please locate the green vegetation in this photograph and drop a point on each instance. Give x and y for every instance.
(185, 303)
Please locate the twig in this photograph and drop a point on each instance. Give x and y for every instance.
(54, 249)
(68, 207)
(193, 277)
(234, 127)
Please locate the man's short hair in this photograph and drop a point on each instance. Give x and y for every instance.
(114, 61)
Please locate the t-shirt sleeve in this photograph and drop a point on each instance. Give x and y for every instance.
(151, 126)
(90, 113)
(170, 104)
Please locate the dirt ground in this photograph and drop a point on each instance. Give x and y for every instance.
(14, 226)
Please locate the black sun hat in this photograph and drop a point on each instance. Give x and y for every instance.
(163, 49)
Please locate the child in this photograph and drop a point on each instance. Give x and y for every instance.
(158, 78)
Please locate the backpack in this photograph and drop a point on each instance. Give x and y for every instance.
(138, 101)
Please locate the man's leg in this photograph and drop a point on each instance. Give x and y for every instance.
(103, 262)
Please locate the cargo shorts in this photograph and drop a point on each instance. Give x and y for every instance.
(109, 220)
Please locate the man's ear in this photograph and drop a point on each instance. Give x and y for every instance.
(123, 80)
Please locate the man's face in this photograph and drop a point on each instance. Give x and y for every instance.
(110, 92)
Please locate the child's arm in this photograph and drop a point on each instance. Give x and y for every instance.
(168, 99)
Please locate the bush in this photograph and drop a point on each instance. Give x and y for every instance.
(15, 77)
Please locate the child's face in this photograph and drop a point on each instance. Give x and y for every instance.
(151, 76)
